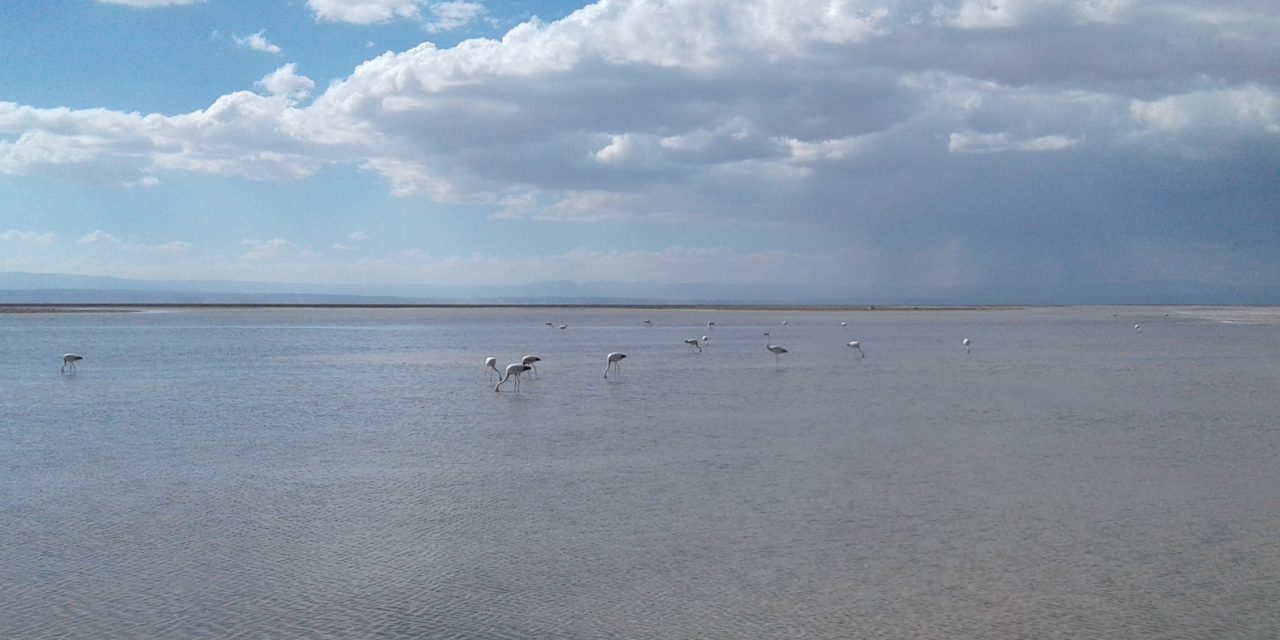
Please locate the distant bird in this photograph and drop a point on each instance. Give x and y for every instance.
(844, 324)
(549, 325)
(530, 361)
(69, 360)
(784, 323)
(966, 343)
(857, 346)
(705, 340)
(693, 344)
(613, 361)
(711, 324)
(1137, 327)
(491, 364)
(648, 323)
(773, 348)
(513, 371)
(563, 327)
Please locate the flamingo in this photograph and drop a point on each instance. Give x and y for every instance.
(844, 324)
(711, 324)
(773, 348)
(549, 325)
(966, 343)
(69, 360)
(529, 362)
(693, 344)
(648, 323)
(613, 361)
(491, 363)
(857, 346)
(1137, 327)
(513, 371)
(705, 340)
(563, 327)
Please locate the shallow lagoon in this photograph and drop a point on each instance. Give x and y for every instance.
(350, 473)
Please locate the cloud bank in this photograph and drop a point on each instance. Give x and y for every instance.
(952, 127)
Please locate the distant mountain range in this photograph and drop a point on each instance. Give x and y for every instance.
(49, 288)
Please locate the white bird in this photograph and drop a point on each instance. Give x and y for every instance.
(69, 360)
(648, 323)
(529, 362)
(773, 348)
(1137, 327)
(966, 343)
(844, 324)
(491, 363)
(613, 361)
(693, 344)
(857, 346)
(563, 327)
(711, 324)
(705, 340)
(513, 371)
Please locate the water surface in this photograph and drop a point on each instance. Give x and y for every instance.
(350, 473)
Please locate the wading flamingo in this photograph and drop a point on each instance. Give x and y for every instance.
(773, 348)
(857, 346)
(613, 361)
(693, 344)
(69, 360)
(513, 371)
(491, 364)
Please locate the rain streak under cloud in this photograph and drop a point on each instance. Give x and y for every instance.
(1024, 147)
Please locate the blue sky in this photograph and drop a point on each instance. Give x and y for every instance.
(1052, 149)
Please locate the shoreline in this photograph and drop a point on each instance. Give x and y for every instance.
(18, 308)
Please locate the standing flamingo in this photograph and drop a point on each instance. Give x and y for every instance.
(773, 348)
(69, 360)
(613, 361)
(857, 346)
(648, 323)
(491, 364)
(966, 344)
(513, 371)
(529, 361)
(693, 344)
(705, 340)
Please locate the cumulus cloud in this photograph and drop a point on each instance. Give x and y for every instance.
(857, 116)
(285, 81)
(257, 42)
(434, 16)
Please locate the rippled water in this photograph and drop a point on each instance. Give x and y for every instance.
(350, 473)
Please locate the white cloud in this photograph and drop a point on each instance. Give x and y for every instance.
(28, 237)
(971, 142)
(448, 16)
(286, 82)
(1208, 122)
(257, 42)
(100, 238)
(629, 111)
(365, 11)
(261, 249)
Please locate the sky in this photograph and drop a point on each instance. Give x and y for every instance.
(980, 150)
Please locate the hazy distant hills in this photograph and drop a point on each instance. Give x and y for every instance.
(42, 288)
(48, 288)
